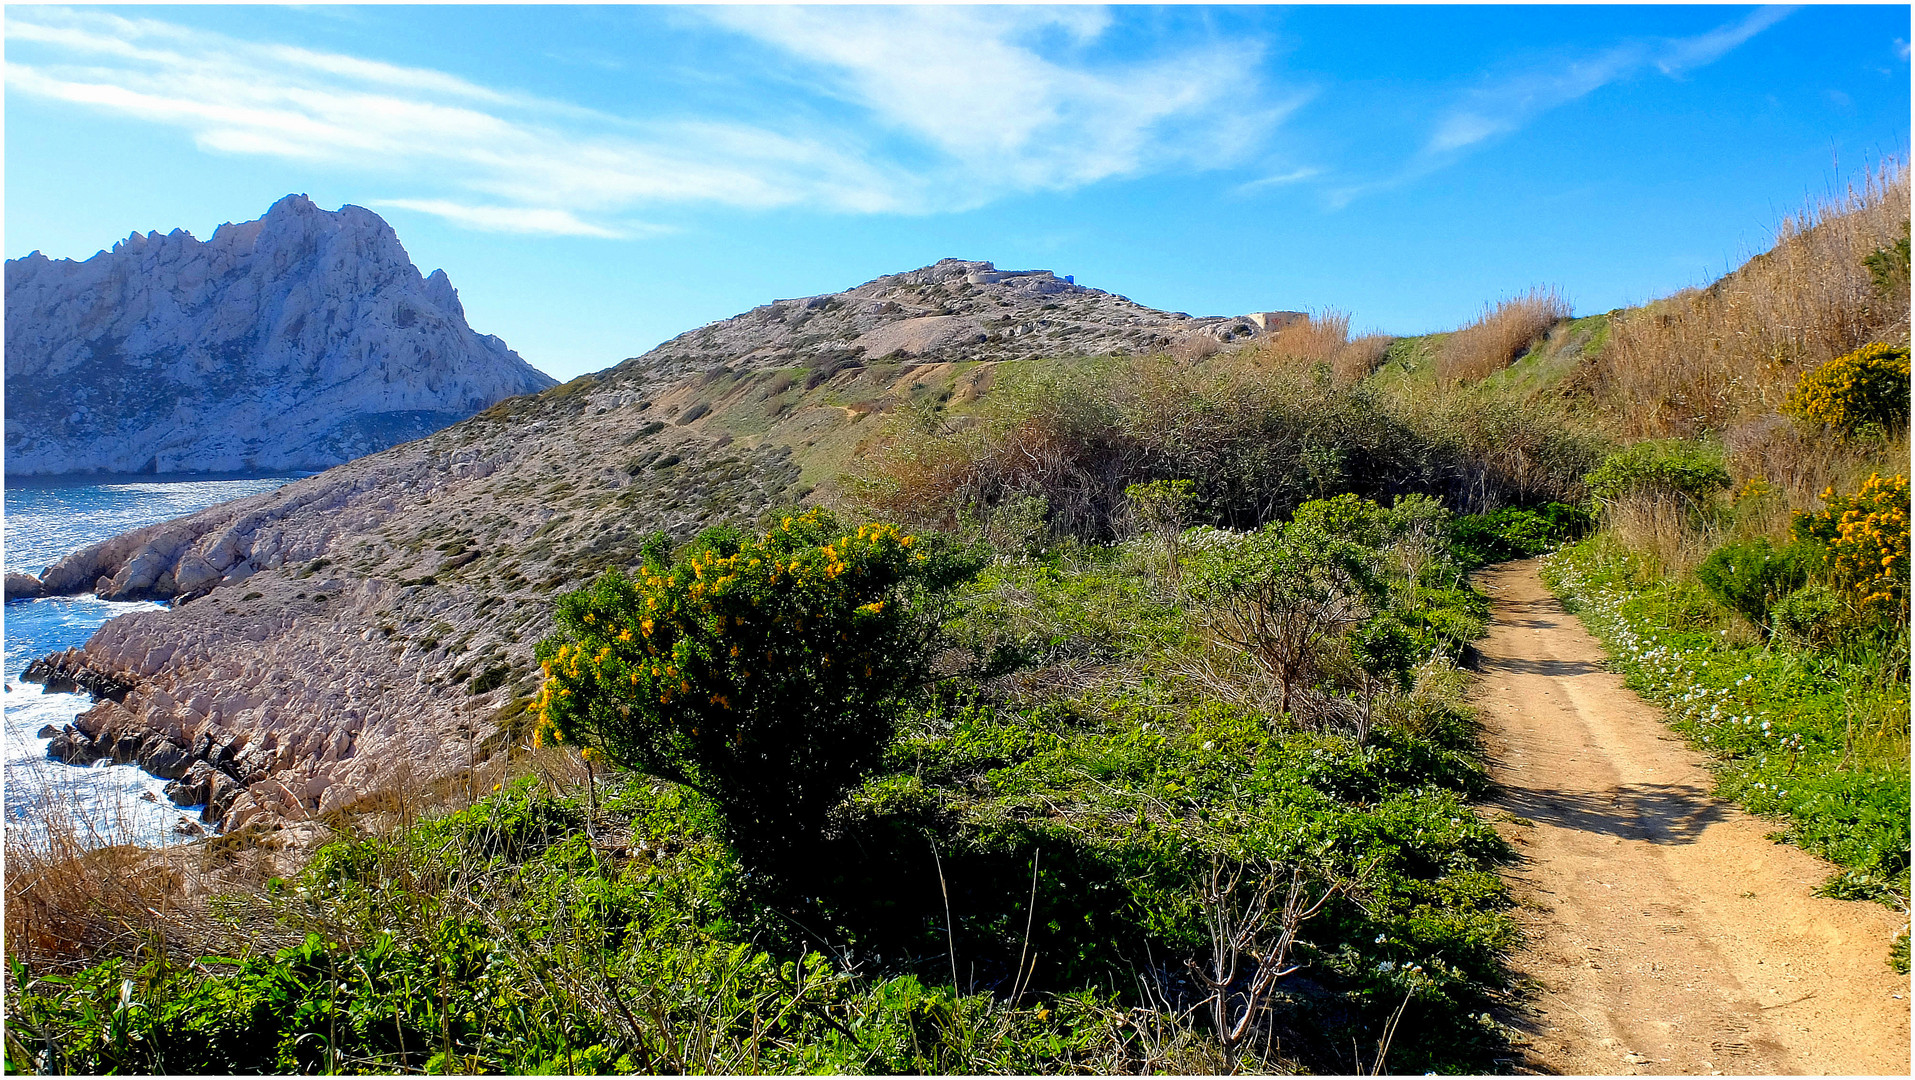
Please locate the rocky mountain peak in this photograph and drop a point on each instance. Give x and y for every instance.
(297, 340)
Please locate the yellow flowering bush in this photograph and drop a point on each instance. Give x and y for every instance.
(1863, 543)
(1855, 393)
(766, 672)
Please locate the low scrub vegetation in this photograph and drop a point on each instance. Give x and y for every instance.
(1255, 441)
(1093, 835)
(1116, 724)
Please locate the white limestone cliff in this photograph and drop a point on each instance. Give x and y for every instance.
(298, 341)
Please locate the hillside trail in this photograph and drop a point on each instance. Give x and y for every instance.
(1663, 932)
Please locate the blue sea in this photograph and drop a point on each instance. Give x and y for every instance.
(46, 521)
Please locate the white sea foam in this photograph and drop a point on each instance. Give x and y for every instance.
(43, 523)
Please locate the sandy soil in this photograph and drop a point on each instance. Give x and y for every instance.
(1664, 932)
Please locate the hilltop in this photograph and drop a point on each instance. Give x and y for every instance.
(376, 621)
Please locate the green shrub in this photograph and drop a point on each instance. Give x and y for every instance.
(766, 673)
(1687, 468)
(1512, 533)
(1811, 617)
(1750, 577)
(1888, 267)
(1284, 592)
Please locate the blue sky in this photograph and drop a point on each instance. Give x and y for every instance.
(598, 179)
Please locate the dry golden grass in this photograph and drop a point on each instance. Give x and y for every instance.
(1312, 339)
(79, 890)
(1356, 361)
(1665, 529)
(1711, 359)
(1502, 334)
(1322, 338)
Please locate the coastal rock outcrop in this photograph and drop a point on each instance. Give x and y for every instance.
(372, 627)
(298, 341)
(23, 586)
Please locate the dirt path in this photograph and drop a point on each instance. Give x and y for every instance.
(1665, 933)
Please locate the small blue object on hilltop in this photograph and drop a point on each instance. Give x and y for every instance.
(1069, 280)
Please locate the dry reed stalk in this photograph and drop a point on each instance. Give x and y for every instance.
(1357, 360)
(79, 890)
(1706, 359)
(1313, 339)
(1662, 528)
(1501, 335)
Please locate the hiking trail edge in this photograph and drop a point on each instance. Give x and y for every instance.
(1664, 933)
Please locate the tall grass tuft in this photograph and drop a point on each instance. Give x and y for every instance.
(1501, 335)
(1313, 339)
(1711, 359)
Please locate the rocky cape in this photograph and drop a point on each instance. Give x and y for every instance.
(298, 341)
(372, 626)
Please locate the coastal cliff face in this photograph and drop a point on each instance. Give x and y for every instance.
(298, 341)
(373, 625)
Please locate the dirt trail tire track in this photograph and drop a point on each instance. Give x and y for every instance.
(1664, 932)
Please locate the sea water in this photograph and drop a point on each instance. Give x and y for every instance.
(45, 521)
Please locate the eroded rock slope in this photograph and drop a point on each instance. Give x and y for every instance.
(373, 625)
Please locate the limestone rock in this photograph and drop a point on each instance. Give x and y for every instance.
(298, 341)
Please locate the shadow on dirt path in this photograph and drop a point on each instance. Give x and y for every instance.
(1664, 932)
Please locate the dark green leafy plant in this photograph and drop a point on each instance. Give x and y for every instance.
(1689, 469)
(1513, 533)
(1751, 576)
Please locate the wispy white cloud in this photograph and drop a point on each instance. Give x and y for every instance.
(1292, 176)
(1506, 105)
(508, 219)
(995, 92)
(943, 108)
(1682, 55)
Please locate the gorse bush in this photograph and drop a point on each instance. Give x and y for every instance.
(1856, 393)
(766, 673)
(1861, 542)
(1750, 577)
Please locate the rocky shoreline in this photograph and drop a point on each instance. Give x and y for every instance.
(205, 768)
